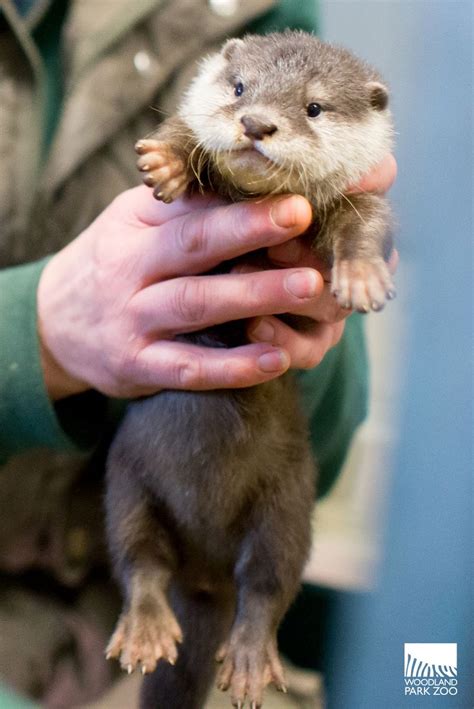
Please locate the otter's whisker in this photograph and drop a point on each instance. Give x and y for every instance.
(349, 201)
(197, 171)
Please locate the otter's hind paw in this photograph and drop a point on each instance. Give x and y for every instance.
(362, 284)
(165, 171)
(247, 670)
(144, 638)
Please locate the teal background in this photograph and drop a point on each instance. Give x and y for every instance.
(424, 49)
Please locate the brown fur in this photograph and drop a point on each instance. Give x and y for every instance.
(208, 505)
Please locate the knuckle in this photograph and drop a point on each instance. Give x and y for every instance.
(189, 303)
(121, 355)
(256, 289)
(132, 316)
(125, 365)
(113, 271)
(243, 222)
(188, 372)
(190, 234)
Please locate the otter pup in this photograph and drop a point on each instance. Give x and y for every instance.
(209, 494)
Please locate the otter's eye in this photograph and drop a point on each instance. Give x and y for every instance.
(313, 110)
(239, 89)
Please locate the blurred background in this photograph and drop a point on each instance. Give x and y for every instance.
(424, 51)
(417, 443)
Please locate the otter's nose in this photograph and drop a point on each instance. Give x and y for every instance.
(256, 127)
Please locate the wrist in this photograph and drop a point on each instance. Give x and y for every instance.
(59, 382)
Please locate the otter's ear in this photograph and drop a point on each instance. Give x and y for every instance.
(378, 95)
(230, 46)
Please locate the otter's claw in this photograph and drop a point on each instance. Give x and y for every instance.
(362, 284)
(145, 639)
(247, 670)
(163, 169)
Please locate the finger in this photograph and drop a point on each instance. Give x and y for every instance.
(205, 238)
(199, 240)
(179, 365)
(324, 308)
(139, 205)
(188, 304)
(378, 180)
(298, 251)
(306, 349)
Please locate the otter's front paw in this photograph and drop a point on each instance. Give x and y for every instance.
(165, 171)
(362, 284)
(247, 670)
(144, 637)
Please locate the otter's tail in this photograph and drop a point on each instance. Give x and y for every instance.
(205, 622)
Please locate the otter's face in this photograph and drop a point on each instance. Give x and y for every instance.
(285, 111)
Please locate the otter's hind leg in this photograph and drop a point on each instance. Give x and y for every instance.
(267, 576)
(143, 560)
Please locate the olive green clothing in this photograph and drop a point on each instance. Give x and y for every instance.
(8, 700)
(66, 151)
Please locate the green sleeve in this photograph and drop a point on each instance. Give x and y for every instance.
(334, 397)
(28, 418)
(292, 14)
(8, 700)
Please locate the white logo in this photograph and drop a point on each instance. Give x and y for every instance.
(431, 659)
(431, 669)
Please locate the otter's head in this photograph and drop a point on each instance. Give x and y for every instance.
(284, 112)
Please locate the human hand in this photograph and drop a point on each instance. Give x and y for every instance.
(110, 303)
(307, 349)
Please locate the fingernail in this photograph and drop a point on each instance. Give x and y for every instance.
(283, 213)
(263, 331)
(275, 361)
(302, 284)
(287, 253)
